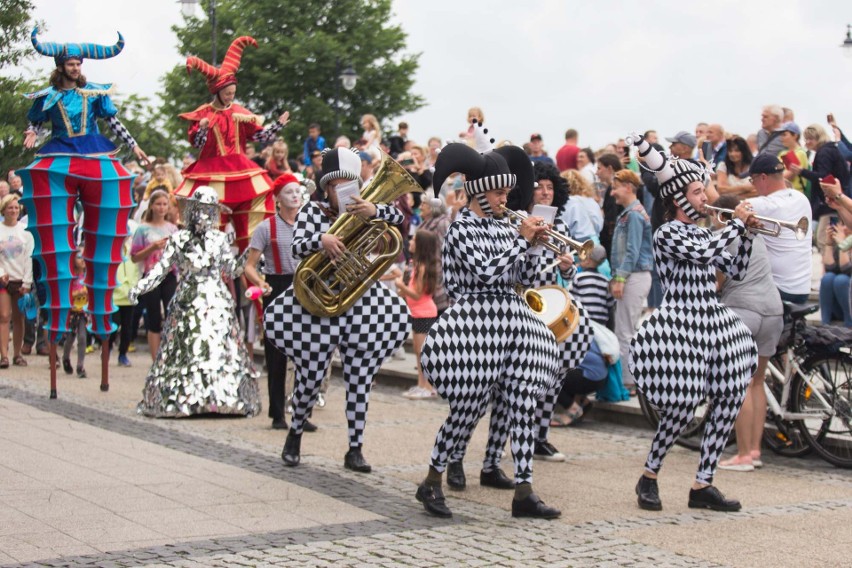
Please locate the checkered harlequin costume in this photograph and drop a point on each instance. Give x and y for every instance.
(571, 352)
(489, 342)
(369, 332)
(77, 163)
(693, 347)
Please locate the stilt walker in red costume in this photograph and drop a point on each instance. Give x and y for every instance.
(77, 164)
(220, 129)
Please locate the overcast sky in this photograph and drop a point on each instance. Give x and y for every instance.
(604, 67)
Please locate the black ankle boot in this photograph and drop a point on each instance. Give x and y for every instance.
(533, 506)
(292, 449)
(355, 461)
(711, 498)
(649, 494)
(496, 479)
(433, 500)
(455, 476)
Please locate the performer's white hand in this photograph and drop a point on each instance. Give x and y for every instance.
(533, 229)
(745, 213)
(284, 118)
(566, 261)
(30, 139)
(633, 139)
(203, 123)
(140, 155)
(362, 208)
(333, 246)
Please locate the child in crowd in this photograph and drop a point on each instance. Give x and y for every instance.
(77, 319)
(591, 287)
(418, 292)
(127, 277)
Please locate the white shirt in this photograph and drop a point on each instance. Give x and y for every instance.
(790, 258)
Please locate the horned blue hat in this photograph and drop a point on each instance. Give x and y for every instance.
(62, 52)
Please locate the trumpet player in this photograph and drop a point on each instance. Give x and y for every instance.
(692, 348)
(550, 190)
(366, 334)
(489, 339)
(789, 257)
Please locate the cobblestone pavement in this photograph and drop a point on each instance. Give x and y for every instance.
(84, 481)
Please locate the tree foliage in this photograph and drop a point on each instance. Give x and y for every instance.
(302, 47)
(146, 125)
(14, 49)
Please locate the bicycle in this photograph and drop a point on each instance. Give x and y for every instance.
(809, 394)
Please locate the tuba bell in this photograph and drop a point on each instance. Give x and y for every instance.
(327, 289)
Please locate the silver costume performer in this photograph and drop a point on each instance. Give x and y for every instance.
(202, 365)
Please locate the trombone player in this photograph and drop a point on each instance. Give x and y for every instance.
(789, 257)
(366, 334)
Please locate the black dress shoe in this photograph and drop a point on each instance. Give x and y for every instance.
(649, 494)
(355, 461)
(496, 479)
(455, 476)
(308, 426)
(534, 507)
(292, 449)
(711, 498)
(433, 500)
(279, 424)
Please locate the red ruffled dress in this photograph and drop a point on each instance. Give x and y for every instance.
(242, 185)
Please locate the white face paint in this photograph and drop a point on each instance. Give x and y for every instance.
(291, 196)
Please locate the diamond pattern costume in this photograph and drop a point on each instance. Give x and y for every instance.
(489, 340)
(693, 347)
(571, 353)
(369, 332)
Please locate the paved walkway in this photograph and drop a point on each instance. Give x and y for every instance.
(85, 481)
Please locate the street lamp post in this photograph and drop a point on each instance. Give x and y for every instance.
(847, 43)
(188, 8)
(348, 78)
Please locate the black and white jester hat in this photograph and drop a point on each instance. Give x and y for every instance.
(503, 167)
(520, 200)
(673, 174)
(340, 163)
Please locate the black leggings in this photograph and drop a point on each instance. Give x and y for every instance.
(159, 296)
(124, 318)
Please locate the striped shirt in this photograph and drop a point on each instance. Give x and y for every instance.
(262, 240)
(592, 290)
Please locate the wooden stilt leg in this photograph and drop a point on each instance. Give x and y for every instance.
(105, 365)
(52, 363)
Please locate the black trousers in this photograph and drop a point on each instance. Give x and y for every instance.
(124, 318)
(576, 384)
(276, 361)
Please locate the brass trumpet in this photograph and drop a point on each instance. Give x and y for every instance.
(564, 242)
(800, 228)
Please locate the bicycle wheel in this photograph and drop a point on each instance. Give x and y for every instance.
(691, 436)
(830, 434)
(781, 436)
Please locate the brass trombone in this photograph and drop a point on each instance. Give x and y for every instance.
(558, 242)
(800, 228)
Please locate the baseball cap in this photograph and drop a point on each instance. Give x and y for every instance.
(365, 157)
(598, 254)
(534, 137)
(684, 137)
(766, 164)
(791, 127)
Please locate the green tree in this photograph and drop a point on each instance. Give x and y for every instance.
(146, 125)
(302, 46)
(14, 33)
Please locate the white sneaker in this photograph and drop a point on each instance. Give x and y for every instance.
(320, 401)
(422, 393)
(411, 392)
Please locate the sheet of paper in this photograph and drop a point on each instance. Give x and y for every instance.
(546, 212)
(345, 194)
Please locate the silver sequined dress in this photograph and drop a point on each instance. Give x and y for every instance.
(202, 365)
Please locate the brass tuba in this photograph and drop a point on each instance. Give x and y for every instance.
(327, 290)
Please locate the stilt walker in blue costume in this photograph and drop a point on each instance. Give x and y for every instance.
(77, 163)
